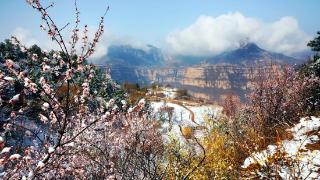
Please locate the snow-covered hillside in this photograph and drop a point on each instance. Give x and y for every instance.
(167, 92)
(296, 157)
(203, 111)
(183, 116)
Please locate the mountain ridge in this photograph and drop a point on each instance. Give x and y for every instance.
(151, 56)
(205, 77)
(127, 55)
(251, 53)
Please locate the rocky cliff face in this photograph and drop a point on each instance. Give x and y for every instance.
(205, 77)
(212, 82)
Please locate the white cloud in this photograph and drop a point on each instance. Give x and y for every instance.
(108, 39)
(102, 46)
(213, 35)
(25, 36)
(30, 38)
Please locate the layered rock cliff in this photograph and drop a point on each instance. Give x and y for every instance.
(207, 77)
(211, 82)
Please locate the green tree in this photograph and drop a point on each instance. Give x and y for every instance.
(313, 66)
(315, 44)
(311, 71)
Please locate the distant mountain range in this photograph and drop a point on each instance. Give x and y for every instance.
(251, 54)
(126, 55)
(211, 77)
(151, 56)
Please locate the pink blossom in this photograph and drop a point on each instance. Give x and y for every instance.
(34, 57)
(40, 165)
(51, 150)
(46, 68)
(7, 78)
(15, 157)
(43, 118)
(45, 106)
(69, 74)
(42, 80)
(80, 60)
(30, 1)
(14, 99)
(9, 63)
(23, 49)
(54, 55)
(5, 150)
(53, 117)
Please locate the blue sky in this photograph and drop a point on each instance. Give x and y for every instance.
(152, 22)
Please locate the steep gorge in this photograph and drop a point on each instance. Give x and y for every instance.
(210, 78)
(211, 82)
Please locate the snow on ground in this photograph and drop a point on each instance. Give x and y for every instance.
(308, 160)
(170, 93)
(182, 116)
(202, 112)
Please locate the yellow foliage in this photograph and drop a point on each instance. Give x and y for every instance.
(185, 158)
(220, 156)
(187, 132)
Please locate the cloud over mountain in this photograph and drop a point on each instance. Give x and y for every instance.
(212, 35)
(41, 39)
(107, 39)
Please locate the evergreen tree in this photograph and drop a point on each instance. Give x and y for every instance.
(311, 71)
